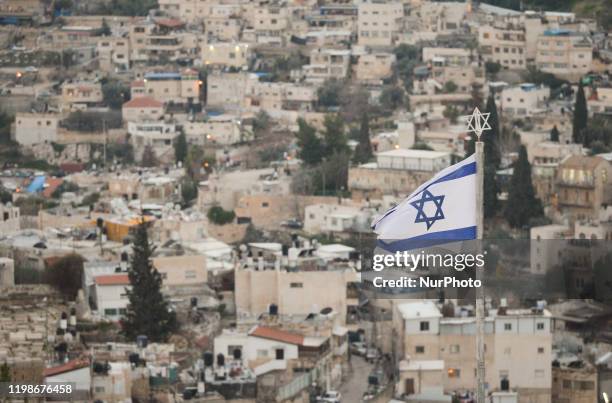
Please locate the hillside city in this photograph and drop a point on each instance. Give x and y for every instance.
(187, 189)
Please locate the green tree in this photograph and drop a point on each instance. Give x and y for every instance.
(5, 372)
(65, 275)
(217, 215)
(580, 117)
(261, 123)
(180, 148)
(311, 148)
(189, 190)
(450, 87)
(148, 312)
(5, 128)
(363, 151)
(554, 134)
(115, 93)
(329, 93)
(522, 204)
(492, 67)
(334, 137)
(391, 98)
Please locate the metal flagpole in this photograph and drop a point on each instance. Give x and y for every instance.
(477, 123)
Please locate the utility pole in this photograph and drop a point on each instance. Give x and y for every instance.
(477, 123)
(105, 140)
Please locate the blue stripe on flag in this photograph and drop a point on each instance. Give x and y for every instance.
(466, 170)
(427, 240)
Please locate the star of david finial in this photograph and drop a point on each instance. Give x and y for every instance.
(477, 122)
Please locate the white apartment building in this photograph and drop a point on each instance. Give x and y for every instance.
(374, 67)
(156, 134)
(9, 219)
(223, 129)
(523, 100)
(110, 296)
(546, 246)
(564, 53)
(326, 218)
(506, 46)
(414, 160)
(35, 128)
(271, 24)
(227, 90)
(142, 109)
(113, 54)
(225, 54)
(326, 64)
(378, 22)
(185, 10)
(518, 349)
(80, 94)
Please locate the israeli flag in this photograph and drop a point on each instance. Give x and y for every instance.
(441, 210)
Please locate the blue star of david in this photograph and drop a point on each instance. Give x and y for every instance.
(427, 196)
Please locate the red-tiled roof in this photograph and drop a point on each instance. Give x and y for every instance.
(112, 279)
(277, 334)
(67, 367)
(138, 83)
(52, 184)
(143, 102)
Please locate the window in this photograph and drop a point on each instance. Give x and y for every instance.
(567, 384)
(540, 326)
(122, 311)
(265, 204)
(507, 326)
(539, 373)
(419, 349)
(454, 373)
(110, 312)
(424, 326)
(540, 350)
(296, 285)
(454, 348)
(99, 389)
(190, 274)
(280, 354)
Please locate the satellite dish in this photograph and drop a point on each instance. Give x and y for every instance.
(326, 311)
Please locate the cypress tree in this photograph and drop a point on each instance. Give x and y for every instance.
(148, 312)
(311, 149)
(180, 148)
(580, 117)
(363, 151)
(334, 136)
(554, 134)
(522, 204)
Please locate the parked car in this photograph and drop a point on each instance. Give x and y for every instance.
(359, 348)
(331, 396)
(372, 355)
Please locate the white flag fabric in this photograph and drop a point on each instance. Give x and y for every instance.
(441, 210)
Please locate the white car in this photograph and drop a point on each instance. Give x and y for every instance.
(331, 396)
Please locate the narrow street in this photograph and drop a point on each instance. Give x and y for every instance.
(352, 390)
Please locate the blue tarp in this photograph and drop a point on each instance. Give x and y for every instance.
(37, 185)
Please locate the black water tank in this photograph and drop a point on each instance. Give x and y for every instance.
(505, 385)
(273, 309)
(124, 257)
(237, 353)
(134, 358)
(142, 341)
(220, 360)
(194, 302)
(285, 249)
(208, 359)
